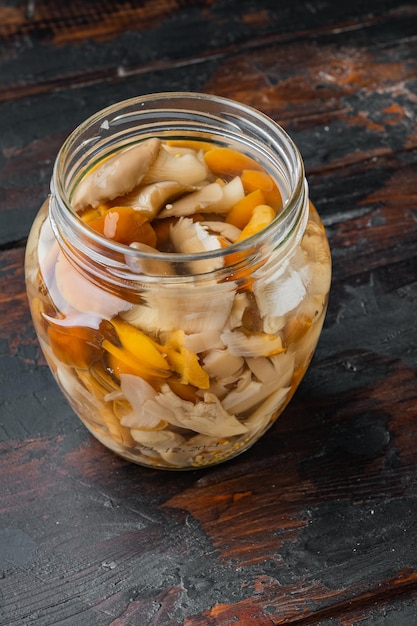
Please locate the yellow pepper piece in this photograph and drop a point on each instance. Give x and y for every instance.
(121, 361)
(262, 216)
(240, 214)
(185, 362)
(89, 214)
(139, 355)
(139, 345)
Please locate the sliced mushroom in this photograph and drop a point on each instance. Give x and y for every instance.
(240, 397)
(312, 306)
(181, 306)
(177, 150)
(70, 383)
(207, 417)
(154, 265)
(207, 339)
(251, 345)
(219, 389)
(306, 345)
(240, 304)
(137, 391)
(117, 175)
(238, 378)
(221, 364)
(146, 318)
(83, 295)
(316, 277)
(161, 442)
(190, 237)
(211, 198)
(200, 200)
(276, 370)
(262, 368)
(230, 232)
(151, 198)
(233, 192)
(242, 400)
(186, 169)
(201, 450)
(267, 411)
(97, 415)
(279, 294)
(315, 244)
(273, 324)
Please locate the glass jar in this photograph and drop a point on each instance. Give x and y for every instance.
(178, 359)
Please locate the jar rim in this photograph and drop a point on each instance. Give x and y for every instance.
(271, 129)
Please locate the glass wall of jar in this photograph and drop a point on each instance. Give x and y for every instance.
(178, 277)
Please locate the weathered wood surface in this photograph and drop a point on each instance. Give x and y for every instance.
(317, 523)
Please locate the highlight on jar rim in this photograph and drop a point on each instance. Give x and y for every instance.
(178, 277)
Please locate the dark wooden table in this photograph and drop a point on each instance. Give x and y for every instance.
(317, 523)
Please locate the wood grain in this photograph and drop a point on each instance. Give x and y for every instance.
(316, 524)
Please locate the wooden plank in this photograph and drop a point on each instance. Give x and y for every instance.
(329, 524)
(304, 540)
(336, 125)
(317, 522)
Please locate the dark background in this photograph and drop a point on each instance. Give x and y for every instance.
(317, 523)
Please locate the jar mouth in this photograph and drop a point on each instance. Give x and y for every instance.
(175, 114)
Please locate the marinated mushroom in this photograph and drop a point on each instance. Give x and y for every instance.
(200, 200)
(252, 390)
(152, 263)
(83, 296)
(117, 175)
(182, 307)
(150, 199)
(191, 237)
(186, 169)
(228, 231)
(251, 345)
(181, 379)
(211, 198)
(207, 416)
(220, 363)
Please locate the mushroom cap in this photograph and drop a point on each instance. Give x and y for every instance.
(116, 175)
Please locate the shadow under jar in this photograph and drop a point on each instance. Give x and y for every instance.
(178, 277)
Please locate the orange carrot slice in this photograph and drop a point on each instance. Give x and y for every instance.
(240, 214)
(256, 179)
(262, 216)
(125, 225)
(229, 162)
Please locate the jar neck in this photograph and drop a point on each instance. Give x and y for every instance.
(167, 116)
